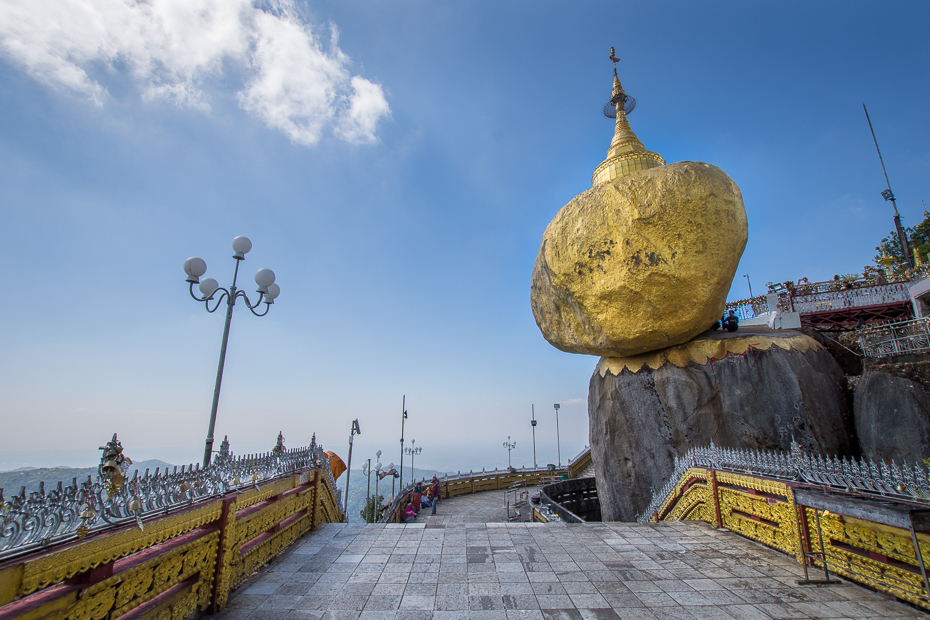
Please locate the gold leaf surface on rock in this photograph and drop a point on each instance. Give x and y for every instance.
(706, 348)
(641, 262)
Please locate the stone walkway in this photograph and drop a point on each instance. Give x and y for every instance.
(456, 570)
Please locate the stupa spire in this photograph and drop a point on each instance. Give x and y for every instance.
(626, 153)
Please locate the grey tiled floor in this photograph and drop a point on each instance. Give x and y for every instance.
(458, 570)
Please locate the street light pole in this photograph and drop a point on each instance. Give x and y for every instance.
(558, 445)
(393, 472)
(355, 431)
(533, 424)
(746, 275)
(374, 513)
(366, 469)
(267, 291)
(412, 451)
(510, 446)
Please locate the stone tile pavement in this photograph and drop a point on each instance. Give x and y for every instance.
(504, 571)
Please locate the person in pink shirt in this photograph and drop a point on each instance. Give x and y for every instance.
(410, 514)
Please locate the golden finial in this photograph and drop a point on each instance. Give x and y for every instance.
(885, 260)
(918, 261)
(614, 59)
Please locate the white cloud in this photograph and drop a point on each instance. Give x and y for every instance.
(366, 105)
(169, 47)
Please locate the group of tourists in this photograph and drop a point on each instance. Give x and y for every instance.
(422, 499)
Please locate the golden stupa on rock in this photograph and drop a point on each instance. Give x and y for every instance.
(644, 259)
(626, 153)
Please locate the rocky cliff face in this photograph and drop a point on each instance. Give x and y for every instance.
(892, 414)
(745, 390)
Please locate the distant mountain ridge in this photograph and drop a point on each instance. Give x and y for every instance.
(32, 477)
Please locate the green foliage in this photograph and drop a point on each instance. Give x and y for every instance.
(371, 512)
(917, 236)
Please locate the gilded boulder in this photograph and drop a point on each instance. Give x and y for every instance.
(640, 262)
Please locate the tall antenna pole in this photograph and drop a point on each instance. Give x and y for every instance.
(533, 424)
(403, 418)
(889, 195)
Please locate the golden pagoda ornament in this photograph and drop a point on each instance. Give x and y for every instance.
(626, 153)
(886, 261)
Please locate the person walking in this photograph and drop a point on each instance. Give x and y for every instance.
(436, 492)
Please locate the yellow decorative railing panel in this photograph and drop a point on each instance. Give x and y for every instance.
(172, 565)
(878, 555)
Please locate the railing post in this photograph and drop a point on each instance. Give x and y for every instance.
(314, 517)
(221, 569)
(718, 521)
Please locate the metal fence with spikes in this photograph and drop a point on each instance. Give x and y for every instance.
(41, 518)
(899, 338)
(904, 482)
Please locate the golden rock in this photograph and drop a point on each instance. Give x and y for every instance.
(644, 259)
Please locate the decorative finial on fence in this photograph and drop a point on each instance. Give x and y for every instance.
(111, 465)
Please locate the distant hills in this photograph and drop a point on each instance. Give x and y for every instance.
(31, 477)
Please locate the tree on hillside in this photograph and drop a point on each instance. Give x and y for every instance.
(371, 513)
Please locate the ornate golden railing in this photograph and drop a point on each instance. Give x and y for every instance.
(877, 555)
(186, 560)
(476, 482)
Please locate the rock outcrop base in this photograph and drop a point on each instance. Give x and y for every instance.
(892, 416)
(748, 389)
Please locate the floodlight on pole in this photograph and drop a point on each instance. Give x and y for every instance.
(355, 431)
(533, 424)
(889, 195)
(403, 418)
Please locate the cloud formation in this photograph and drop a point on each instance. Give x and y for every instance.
(168, 48)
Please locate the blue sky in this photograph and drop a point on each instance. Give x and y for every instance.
(397, 178)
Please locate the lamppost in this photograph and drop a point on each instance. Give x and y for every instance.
(267, 291)
(533, 424)
(746, 275)
(510, 446)
(558, 446)
(377, 497)
(366, 469)
(390, 468)
(355, 431)
(412, 451)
